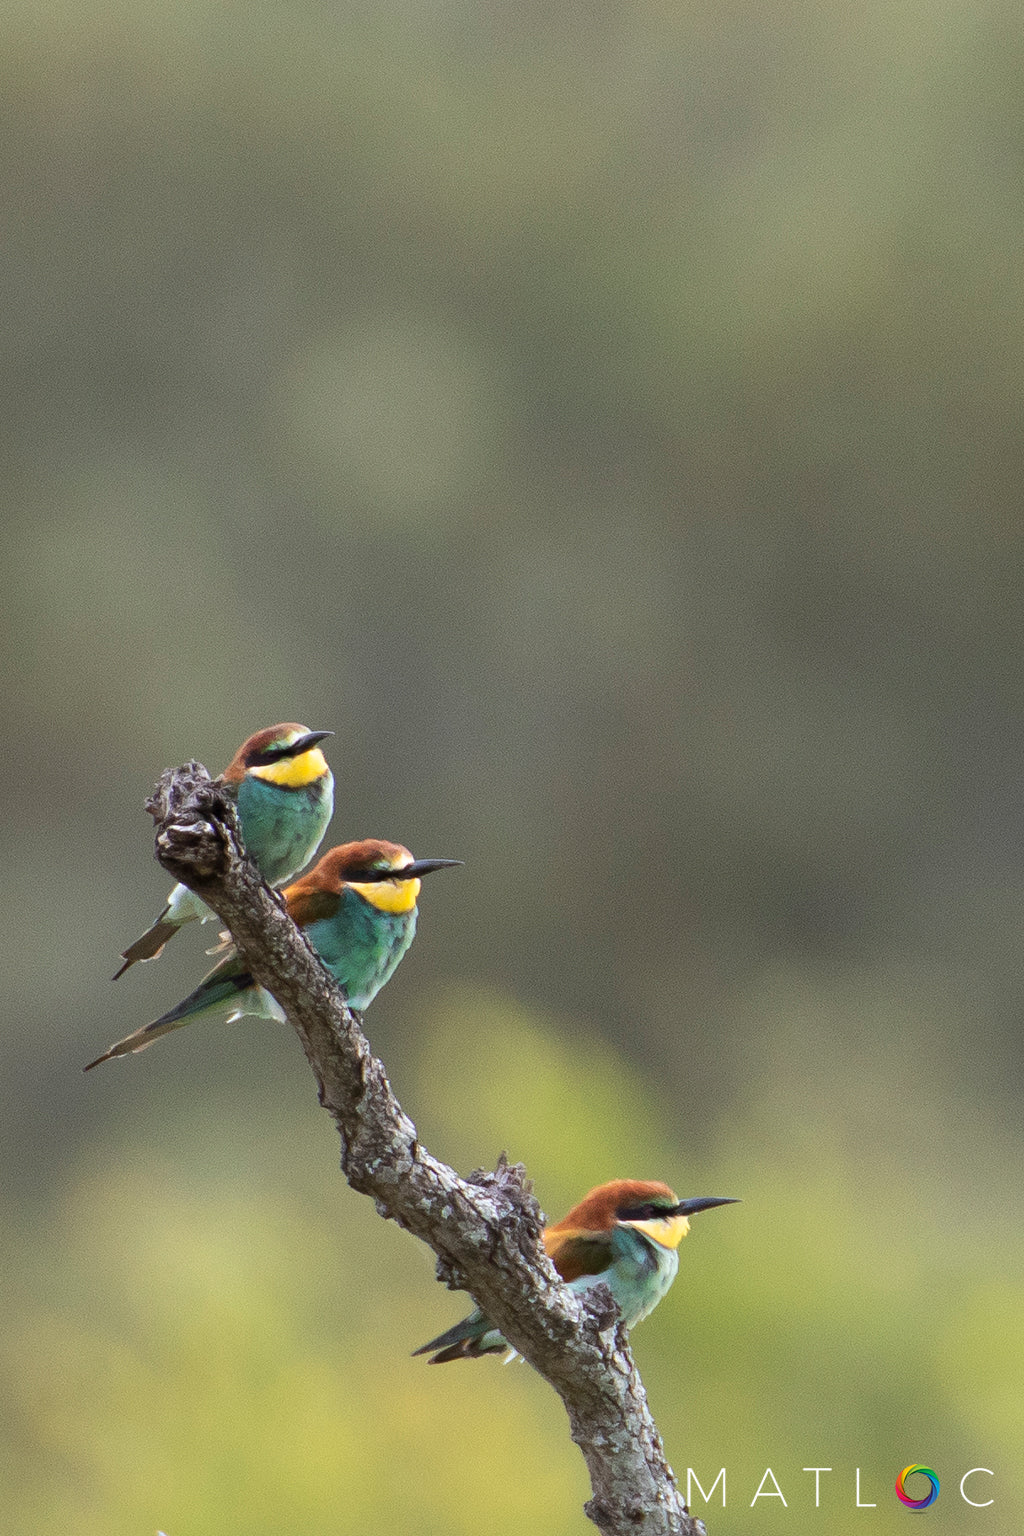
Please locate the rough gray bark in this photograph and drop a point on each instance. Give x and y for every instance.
(485, 1229)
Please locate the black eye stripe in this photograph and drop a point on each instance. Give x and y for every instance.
(270, 755)
(645, 1212)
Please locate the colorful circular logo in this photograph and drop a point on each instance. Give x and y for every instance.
(914, 1471)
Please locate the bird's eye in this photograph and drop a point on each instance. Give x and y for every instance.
(640, 1213)
(269, 755)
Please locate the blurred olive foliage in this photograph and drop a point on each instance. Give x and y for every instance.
(607, 419)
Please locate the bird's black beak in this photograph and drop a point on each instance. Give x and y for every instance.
(423, 867)
(702, 1203)
(305, 742)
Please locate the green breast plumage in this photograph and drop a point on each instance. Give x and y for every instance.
(639, 1276)
(362, 946)
(281, 827)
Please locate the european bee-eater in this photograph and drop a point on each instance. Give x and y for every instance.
(625, 1235)
(284, 792)
(356, 906)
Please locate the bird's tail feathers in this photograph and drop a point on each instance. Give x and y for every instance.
(468, 1340)
(220, 996)
(150, 944)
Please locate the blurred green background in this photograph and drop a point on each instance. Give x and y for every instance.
(608, 420)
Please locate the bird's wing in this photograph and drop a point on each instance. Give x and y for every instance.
(575, 1253)
(306, 904)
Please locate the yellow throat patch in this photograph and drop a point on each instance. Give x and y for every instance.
(669, 1231)
(396, 895)
(293, 772)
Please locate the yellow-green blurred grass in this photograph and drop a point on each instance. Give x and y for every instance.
(196, 1358)
(208, 1333)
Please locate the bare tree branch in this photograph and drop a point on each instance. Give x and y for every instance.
(485, 1230)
